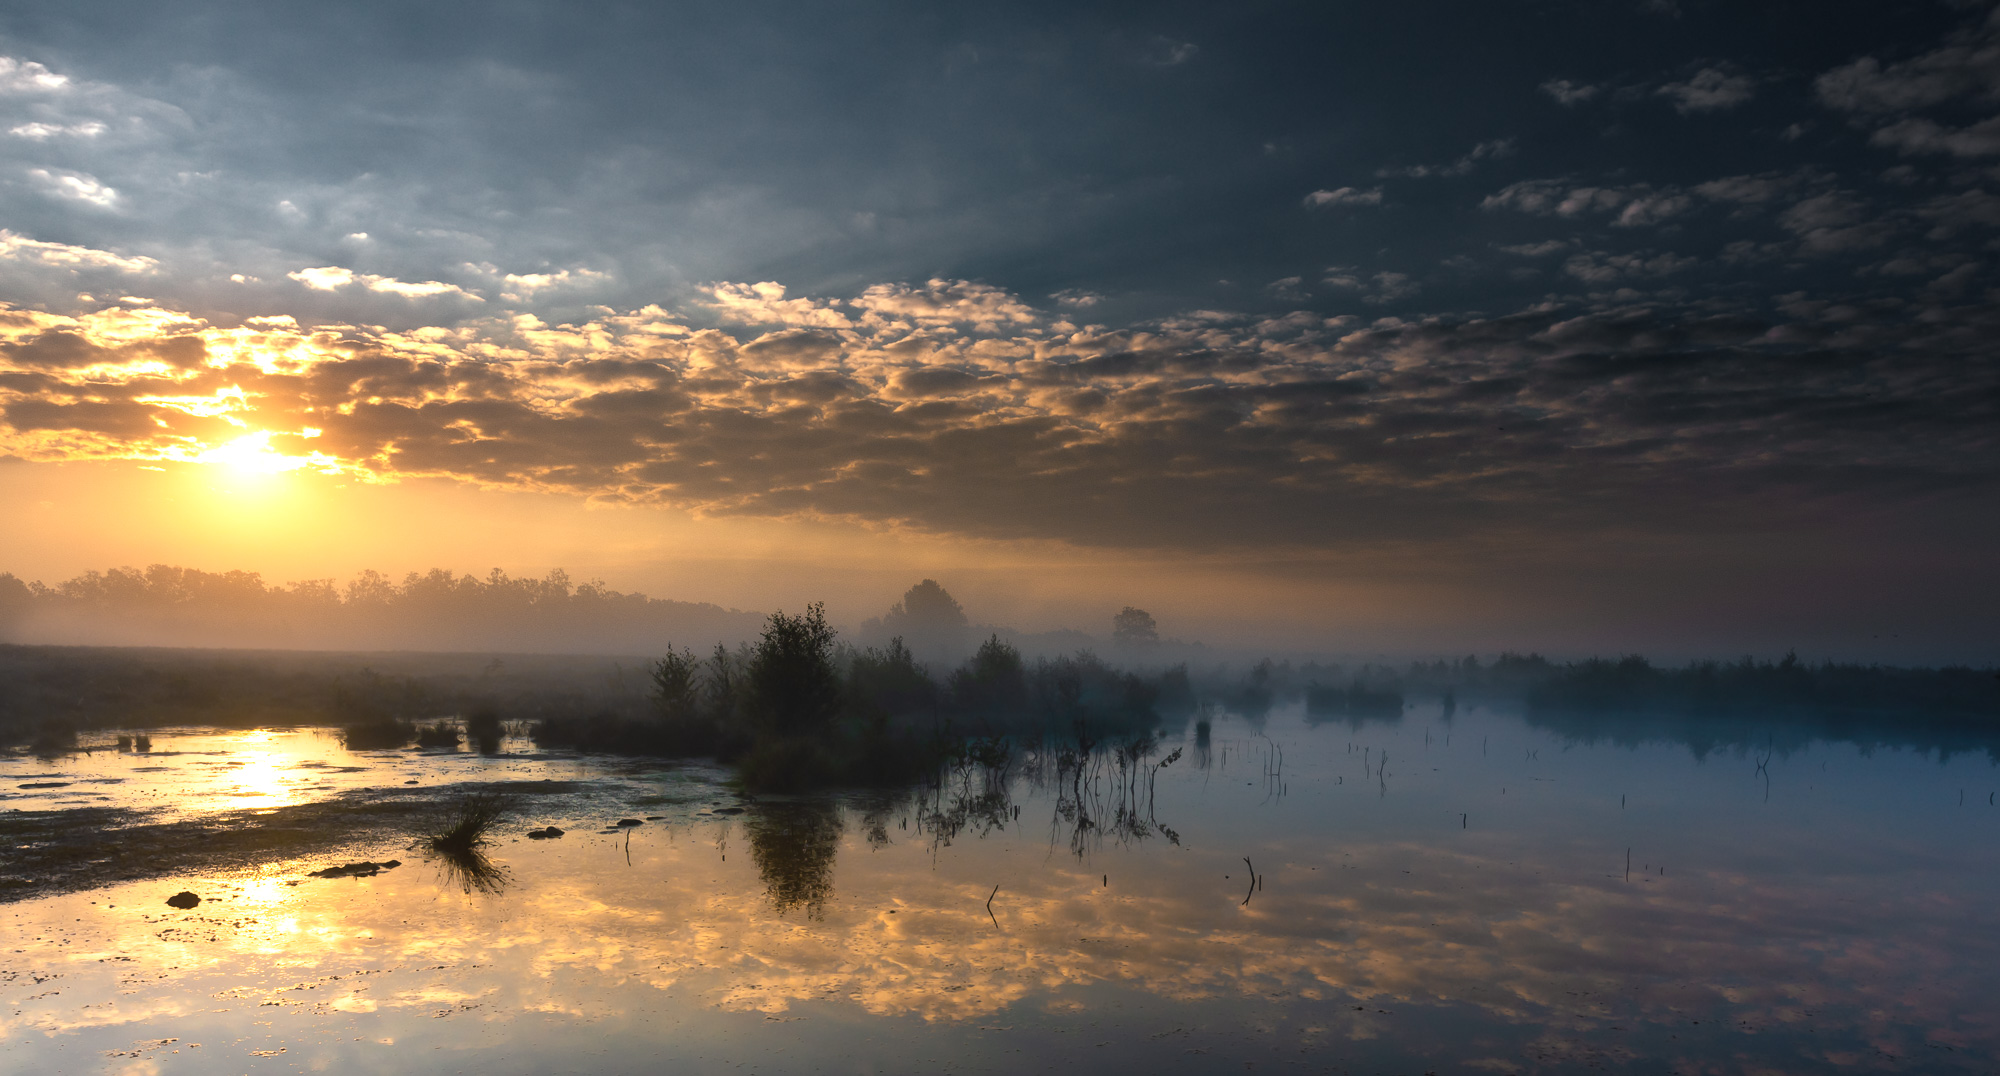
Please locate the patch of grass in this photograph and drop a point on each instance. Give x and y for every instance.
(463, 830)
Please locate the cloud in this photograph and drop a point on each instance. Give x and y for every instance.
(42, 132)
(333, 278)
(1918, 135)
(74, 186)
(1953, 213)
(1170, 53)
(523, 287)
(324, 278)
(1598, 267)
(1567, 93)
(1969, 67)
(1077, 298)
(418, 290)
(1343, 196)
(1748, 189)
(529, 283)
(1381, 287)
(1494, 150)
(1712, 89)
(1634, 206)
(765, 304)
(944, 302)
(19, 248)
(1294, 429)
(1536, 250)
(28, 77)
(1835, 222)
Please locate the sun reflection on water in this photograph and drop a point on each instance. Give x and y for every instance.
(1363, 937)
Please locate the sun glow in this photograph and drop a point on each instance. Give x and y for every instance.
(253, 454)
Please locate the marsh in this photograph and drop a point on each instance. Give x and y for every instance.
(1491, 890)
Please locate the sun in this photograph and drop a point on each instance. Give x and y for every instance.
(253, 455)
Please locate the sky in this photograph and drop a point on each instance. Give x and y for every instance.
(1413, 328)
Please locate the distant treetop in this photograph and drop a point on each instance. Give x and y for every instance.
(1134, 627)
(926, 607)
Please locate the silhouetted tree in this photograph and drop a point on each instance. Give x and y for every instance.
(725, 686)
(677, 685)
(928, 620)
(993, 681)
(792, 676)
(1134, 627)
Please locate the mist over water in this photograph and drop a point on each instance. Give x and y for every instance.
(916, 848)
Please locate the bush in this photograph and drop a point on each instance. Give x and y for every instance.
(484, 727)
(380, 734)
(889, 683)
(786, 764)
(993, 682)
(793, 683)
(437, 734)
(57, 736)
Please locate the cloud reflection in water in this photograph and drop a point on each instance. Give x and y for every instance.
(1518, 939)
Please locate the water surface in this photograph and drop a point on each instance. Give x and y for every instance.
(1479, 894)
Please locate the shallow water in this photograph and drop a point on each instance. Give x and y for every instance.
(1473, 895)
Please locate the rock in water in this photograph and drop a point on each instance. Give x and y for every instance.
(183, 900)
(356, 870)
(629, 822)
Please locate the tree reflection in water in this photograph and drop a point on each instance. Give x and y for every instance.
(794, 845)
(1108, 789)
(1102, 789)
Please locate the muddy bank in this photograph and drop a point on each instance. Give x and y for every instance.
(84, 848)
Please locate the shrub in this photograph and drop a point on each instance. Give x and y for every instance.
(992, 682)
(793, 682)
(380, 734)
(57, 736)
(484, 727)
(437, 734)
(786, 764)
(889, 683)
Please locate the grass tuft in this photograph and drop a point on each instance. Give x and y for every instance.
(463, 831)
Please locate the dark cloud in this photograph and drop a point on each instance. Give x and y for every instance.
(371, 167)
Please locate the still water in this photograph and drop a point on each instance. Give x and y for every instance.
(1474, 894)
